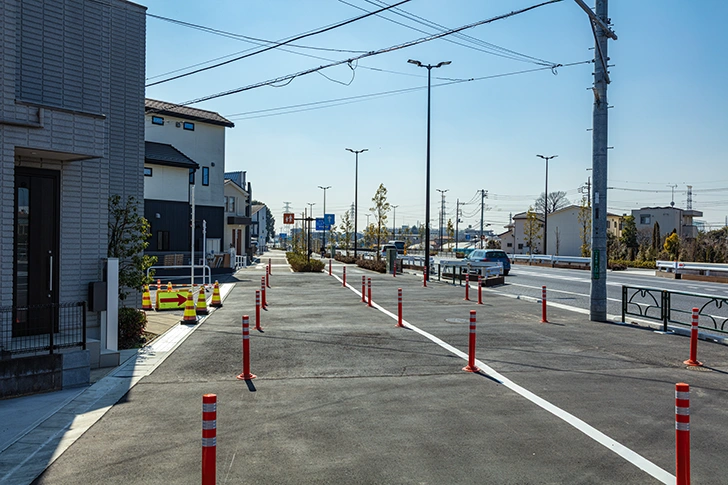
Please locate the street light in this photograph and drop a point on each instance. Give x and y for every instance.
(546, 203)
(356, 190)
(394, 222)
(324, 189)
(427, 183)
(308, 237)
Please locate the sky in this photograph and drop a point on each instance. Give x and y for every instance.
(493, 110)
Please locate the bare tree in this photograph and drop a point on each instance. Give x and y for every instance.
(557, 200)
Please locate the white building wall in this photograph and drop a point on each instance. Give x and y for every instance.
(566, 222)
(168, 183)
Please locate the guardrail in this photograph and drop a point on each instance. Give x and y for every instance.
(486, 269)
(550, 259)
(240, 262)
(657, 304)
(206, 272)
(683, 267)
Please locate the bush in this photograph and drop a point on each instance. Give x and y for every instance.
(300, 264)
(379, 266)
(631, 264)
(345, 259)
(132, 323)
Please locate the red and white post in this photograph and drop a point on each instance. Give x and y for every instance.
(209, 439)
(394, 269)
(329, 267)
(263, 301)
(480, 290)
(467, 287)
(257, 310)
(369, 291)
(363, 289)
(471, 367)
(693, 360)
(246, 375)
(682, 433)
(399, 307)
(543, 305)
(267, 276)
(424, 276)
(270, 267)
(343, 280)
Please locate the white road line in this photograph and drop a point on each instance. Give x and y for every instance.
(550, 290)
(601, 438)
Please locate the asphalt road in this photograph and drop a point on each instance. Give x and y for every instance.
(344, 396)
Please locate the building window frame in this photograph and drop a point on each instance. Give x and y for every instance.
(188, 125)
(192, 176)
(162, 240)
(158, 120)
(205, 176)
(148, 172)
(645, 219)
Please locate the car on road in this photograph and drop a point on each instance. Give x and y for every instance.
(399, 245)
(491, 255)
(383, 249)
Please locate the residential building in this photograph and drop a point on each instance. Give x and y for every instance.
(184, 162)
(669, 218)
(259, 233)
(71, 136)
(237, 214)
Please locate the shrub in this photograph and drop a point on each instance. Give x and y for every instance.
(346, 259)
(379, 266)
(631, 264)
(132, 323)
(300, 263)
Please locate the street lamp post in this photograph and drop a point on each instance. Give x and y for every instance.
(427, 183)
(308, 219)
(323, 242)
(546, 203)
(394, 221)
(356, 190)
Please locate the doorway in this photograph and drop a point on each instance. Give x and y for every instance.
(37, 204)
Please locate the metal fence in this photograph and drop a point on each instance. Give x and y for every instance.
(675, 307)
(42, 329)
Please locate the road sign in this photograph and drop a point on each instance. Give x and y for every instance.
(329, 220)
(288, 218)
(171, 300)
(319, 223)
(467, 237)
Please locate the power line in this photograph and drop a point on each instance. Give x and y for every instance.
(278, 44)
(362, 56)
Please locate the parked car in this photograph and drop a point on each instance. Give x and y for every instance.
(399, 245)
(494, 255)
(383, 249)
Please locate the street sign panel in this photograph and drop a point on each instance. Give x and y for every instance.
(319, 223)
(289, 218)
(329, 220)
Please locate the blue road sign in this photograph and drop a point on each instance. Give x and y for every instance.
(330, 220)
(319, 223)
(467, 237)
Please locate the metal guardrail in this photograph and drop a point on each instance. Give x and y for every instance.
(42, 329)
(686, 267)
(486, 269)
(656, 304)
(206, 272)
(551, 259)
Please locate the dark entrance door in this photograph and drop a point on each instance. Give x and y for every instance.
(36, 251)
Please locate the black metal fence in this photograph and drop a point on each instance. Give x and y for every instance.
(675, 307)
(42, 328)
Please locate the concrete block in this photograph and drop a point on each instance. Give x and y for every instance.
(109, 358)
(94, 348)
(76, 369)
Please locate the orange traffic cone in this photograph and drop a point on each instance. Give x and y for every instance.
(189, 316)
(216, 301)
(169, 286)
(201, 302)
(146, 299)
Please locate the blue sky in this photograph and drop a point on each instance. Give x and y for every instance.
(668, 125)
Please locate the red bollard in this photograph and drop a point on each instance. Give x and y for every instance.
(263, 301)
(543, 305)
(329, 267)
(394, 269)
(209, 438)
(159, 285)
(480, 290)
(267, 276)
(343, 280)
(363, 289)
(257, 310)
(270, 266)
(369, 295)
(399, 307)
(246, 375)
(471, 367)
(693, 360)
(467, 287)
(682, 433)
(424, 277)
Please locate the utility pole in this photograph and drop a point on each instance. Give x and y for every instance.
(442, 212)
(457, 221)
(672, 197)
(483, 196)
(587, 187)
(394, 222)
(599, 20)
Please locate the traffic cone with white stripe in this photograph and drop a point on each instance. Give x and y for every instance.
(216, 301)
(201, 302)
(190, 316)
(146, 299)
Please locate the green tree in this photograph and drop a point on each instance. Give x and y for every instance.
(532, 229)
(380, 209)
(370, 235)
(672, 245)
(656, 236)
(347, 230)
(128, 238)
(629, 235)
(450, 230)
(584, 218)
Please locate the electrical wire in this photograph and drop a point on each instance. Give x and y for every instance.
(278, 44)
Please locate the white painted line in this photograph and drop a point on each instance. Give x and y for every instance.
(601, 438)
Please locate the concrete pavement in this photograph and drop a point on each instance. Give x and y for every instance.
(344, 396)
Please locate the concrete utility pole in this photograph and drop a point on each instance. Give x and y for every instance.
(457, 221)
(483, 196)
(323, 239)
(394, 222)
(442, 212)
(600, 22)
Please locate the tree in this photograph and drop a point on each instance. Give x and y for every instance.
(370, 235)
(557, 200)
(532, 229)
(347, 229)
(656, 236)
(584, 218)
(380, 209)
(672, 245)
(128, 238)
(629, 235)
(450, 230)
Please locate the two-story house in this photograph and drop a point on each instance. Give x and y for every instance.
(71, 136)
(669, 218)
(184, 164)
(237, 214)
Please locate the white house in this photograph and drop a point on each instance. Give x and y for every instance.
(669, 218)
(259, 233)
(185, 148)
(237, 214)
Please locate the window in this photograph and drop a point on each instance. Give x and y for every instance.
(645, 219)
(509, 245)
(520, 246)
(229, 204)
(147, 171)
(188, 126)
(205, 175)
(162, 240)
(157, 120)
(192, 176)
